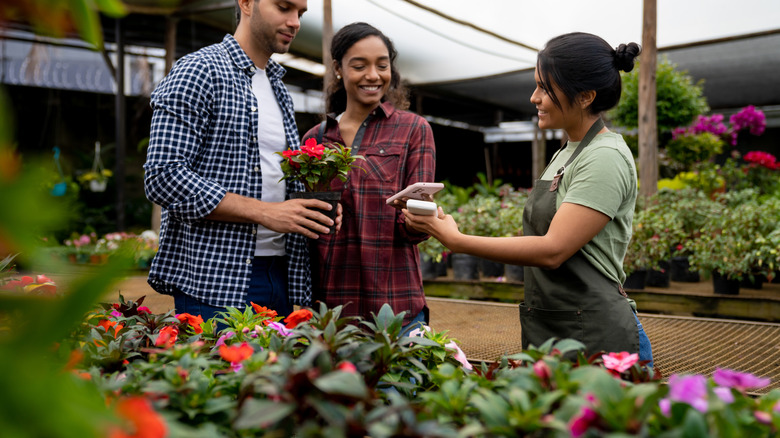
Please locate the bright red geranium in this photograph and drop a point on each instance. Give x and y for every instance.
(194, 321)
(144, 422)
(236, 353)
(264, 311)
(289, 154)
(312, 149)
(167, 337)
(761, 158)
(297, 317)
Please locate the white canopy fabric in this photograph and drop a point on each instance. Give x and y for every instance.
(433, 49)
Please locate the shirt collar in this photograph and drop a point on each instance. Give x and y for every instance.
(385, 108)
(273, 69)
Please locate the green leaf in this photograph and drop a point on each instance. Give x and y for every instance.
(342, 383)
(261, 413)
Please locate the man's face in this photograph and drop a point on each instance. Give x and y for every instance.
(274, 23)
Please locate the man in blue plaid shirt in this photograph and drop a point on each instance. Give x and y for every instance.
(229, 233)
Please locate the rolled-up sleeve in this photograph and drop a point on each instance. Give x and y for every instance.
(178, 132)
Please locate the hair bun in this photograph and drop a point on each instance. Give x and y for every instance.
(624, 56)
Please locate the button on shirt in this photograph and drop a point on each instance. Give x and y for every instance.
(203, 144)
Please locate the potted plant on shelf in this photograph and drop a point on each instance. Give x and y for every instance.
(736, 245)
(316, 166)
(655, 232)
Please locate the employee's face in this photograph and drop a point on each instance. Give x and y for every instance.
(275, 23)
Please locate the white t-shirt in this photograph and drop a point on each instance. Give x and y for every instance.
(270, 139)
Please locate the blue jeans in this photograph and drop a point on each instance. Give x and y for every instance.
(267, 287)
(645, 349)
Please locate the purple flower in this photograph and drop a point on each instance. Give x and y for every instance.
(724, 394)
(691, 390)
(116, 314)
(280, 328)
(740, 381)
(223, 338)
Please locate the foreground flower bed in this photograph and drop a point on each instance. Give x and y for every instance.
(250, 373)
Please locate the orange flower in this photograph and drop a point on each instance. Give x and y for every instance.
(264, 311)
(236, 353)
(142, 419)
(74, 359)
(194, 321)
(167, 337)
(107, 324)
(297, 317)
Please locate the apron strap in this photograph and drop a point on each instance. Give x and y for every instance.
(597, 126)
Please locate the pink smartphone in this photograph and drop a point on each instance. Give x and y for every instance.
(417, 190)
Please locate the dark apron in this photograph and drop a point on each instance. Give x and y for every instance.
(575, 300)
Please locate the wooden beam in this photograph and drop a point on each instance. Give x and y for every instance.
(327, 35)
(648, 116)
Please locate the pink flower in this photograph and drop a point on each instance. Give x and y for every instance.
(737, 380)
(582, 422)
(460, 356)
(619, 362)
(223, 338)
(763, 417)
(691, 390)
(542, 370)
(280, 328)
(144, 309)
(724, 394)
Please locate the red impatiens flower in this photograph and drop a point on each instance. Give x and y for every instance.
(194, 321)
(297, 317)
(288, 155)
(762, 159)
(312, 149)
(264, 311)
(236, 353)
(167, 337)
(141, 419)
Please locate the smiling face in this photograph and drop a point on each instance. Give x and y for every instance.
(366, 72)
(550, 115)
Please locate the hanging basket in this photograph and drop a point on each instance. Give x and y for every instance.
(98, 185)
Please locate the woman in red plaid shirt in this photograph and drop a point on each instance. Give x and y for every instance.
(373, 260)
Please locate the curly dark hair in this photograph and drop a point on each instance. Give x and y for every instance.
(343, 40)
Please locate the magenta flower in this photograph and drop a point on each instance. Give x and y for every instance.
(581, 423)
(280, 328)
(691, 390)
(748, 118)
(542, 370)
(737, 380)
(724, 394)
(223, 338)
(619, 362)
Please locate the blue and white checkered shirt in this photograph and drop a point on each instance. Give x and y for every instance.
(203, 144)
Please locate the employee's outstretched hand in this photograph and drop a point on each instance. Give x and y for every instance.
(442, 226)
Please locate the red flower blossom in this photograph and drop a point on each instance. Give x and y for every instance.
(347, 367)
(40, 285)
(762, 159)
(141, 418)
(312, 149)
(236, 353)
(144, 309)
(297, 317)
(194, 321)
(289, 154)
(167, 337)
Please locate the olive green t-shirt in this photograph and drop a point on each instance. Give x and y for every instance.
(602, 177)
